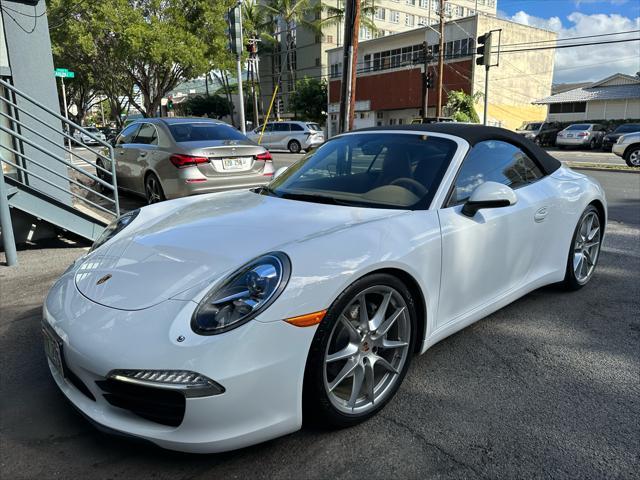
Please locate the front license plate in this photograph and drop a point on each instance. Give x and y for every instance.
(53, 348)
(241, 163)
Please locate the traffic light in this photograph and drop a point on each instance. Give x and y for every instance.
(484, 50)
(430, 80)
(234, 30)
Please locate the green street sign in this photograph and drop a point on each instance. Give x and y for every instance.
(64, 73)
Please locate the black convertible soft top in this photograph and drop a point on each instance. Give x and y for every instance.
(479, 133)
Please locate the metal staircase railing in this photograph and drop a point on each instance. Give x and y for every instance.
(26, 122)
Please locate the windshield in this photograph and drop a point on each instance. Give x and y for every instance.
(579, 126)
(392, 170)
(314, 126)
(628, 128)
(91, 129)
(532, 126)
(195, 132)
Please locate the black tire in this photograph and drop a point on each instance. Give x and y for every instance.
(632, 156)
(317, 407)
(570, 281)
(153, 189)
(593, 144)
(294, 146)
(102, 176)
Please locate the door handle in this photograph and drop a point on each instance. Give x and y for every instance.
(541, 214)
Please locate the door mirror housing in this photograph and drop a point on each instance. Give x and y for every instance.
(279, 172)
(489, 195)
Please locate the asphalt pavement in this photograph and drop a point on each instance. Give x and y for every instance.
(547, 387)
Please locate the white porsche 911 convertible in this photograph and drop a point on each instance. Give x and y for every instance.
(215, 322)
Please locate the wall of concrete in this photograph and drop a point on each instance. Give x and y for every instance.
(31, 71)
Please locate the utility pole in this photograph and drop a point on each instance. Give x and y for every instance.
(66, 109)
(236, 45)
(440, 61)
(349, 60)
(354, 61)
(425, 81)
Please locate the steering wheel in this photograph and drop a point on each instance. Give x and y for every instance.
(411, 184)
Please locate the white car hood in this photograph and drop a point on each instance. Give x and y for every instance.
(173, 246)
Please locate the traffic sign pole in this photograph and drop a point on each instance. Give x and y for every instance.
(66, 110)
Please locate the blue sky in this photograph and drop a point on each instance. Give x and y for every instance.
(572, 18)
(563, 8)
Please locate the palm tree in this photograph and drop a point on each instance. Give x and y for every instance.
(335, 15)
(292, 14)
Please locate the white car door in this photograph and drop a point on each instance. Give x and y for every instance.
(490, 254)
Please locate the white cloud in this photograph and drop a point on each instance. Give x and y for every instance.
(592, 62)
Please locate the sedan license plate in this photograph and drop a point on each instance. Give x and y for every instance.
(53, 348)
(241, 163)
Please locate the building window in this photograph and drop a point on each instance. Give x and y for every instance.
(410, 2)
(329, 38)
(399, 121)
(392, 121)
(424, 3)
(394, 16)
(317, 61)
(365, 33)
(379, 13)
(408, 20)
(423, 21)
(569, 107)
(379, 114)
(335, 70)
(367, 63)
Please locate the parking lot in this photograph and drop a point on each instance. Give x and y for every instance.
(547, 387)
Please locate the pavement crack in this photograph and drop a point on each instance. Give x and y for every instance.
(433, 445)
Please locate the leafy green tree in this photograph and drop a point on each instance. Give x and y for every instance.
(141, 49)
(212, 106)
(309, 100)
(461, 106)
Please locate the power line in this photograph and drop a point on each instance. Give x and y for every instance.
(566, 39)
(557, 47)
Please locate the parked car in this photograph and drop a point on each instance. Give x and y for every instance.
(588, 135)
(82, 137)
(215, 322)
(109, 133)
(542, 133)
(628, 147)
(420, 120)
(611, 138)
(164, 158)
(291, 135)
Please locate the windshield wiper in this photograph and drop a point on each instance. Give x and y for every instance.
(266, 190)
(312, 197)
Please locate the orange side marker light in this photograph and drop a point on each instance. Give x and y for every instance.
(307, 320)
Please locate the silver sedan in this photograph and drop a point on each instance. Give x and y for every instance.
(164, 158)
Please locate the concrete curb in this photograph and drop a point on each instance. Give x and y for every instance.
(602, 168)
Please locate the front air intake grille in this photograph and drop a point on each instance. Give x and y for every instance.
(75, 380)
(155, 404)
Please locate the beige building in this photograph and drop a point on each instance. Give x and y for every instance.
(308, 51)
(389, 80)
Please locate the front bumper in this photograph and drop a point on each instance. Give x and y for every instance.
(618, 149)
(261, 366)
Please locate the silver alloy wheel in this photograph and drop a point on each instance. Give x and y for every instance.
(367, 349)
(634, 158)
(152, 187)
(586, 247)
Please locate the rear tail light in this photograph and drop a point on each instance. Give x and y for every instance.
(265, 156)
(182, 161)
(583, 134)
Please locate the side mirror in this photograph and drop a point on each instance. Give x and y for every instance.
(279, 172)
(489, 195)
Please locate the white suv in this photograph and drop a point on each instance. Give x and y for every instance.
(291, 135)
(628, 147)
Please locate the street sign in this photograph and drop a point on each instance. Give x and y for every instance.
(64, 73)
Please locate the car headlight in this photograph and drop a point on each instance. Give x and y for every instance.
(620, 139)
(115, 227)
(530, 135)
(243, 295)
